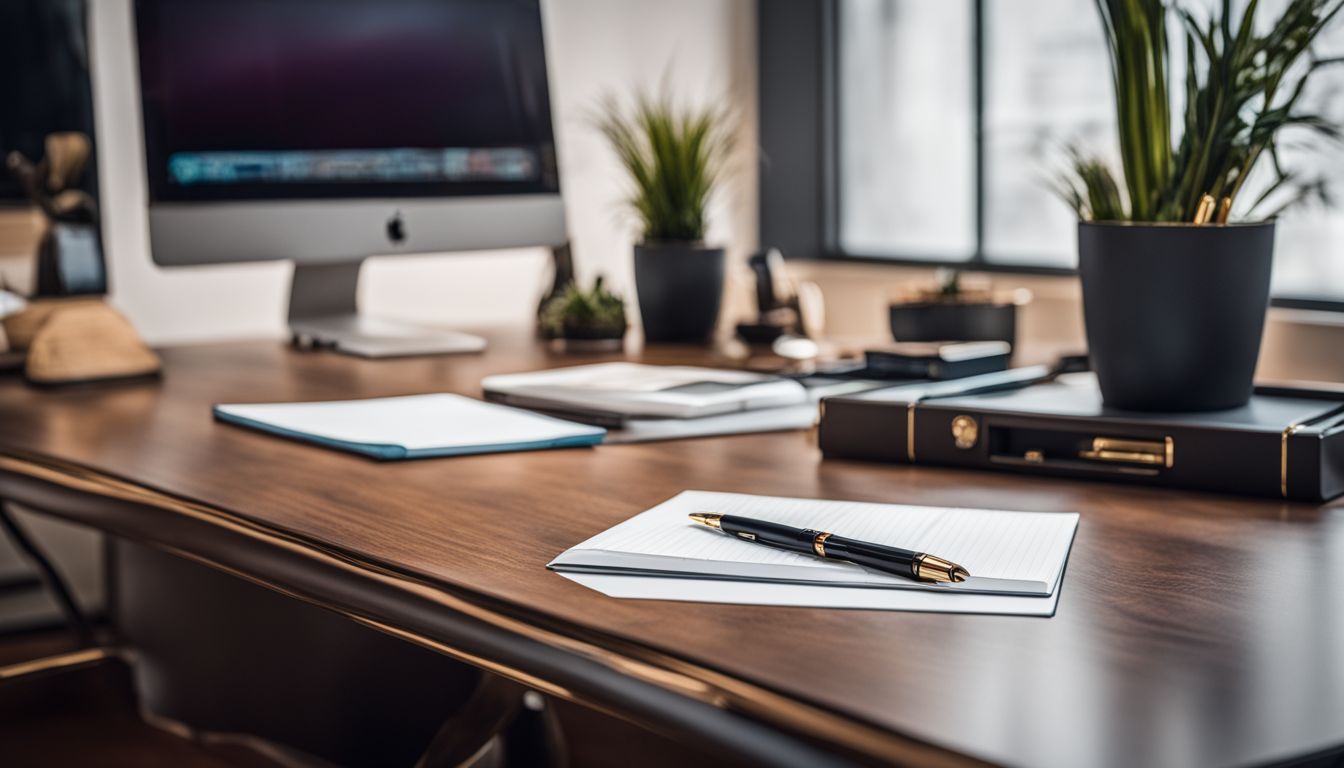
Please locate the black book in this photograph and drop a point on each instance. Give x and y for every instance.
(1276, 445)
(936, 360)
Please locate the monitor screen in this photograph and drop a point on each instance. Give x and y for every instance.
(314, 99)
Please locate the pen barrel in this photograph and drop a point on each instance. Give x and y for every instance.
(893, 560)
(773, 534)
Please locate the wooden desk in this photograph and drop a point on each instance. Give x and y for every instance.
(1192, 629)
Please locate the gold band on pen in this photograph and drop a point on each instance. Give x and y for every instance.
(819, 544)
(933, 568)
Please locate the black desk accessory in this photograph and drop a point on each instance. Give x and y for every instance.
(1286, 446)
(778, 311)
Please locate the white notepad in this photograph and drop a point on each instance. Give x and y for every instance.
(1007, 553)
(636, 390)
(415, 426)
(811, 595)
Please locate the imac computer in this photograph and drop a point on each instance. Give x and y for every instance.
(327, 131)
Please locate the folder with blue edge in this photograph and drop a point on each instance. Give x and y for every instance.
(411, 427)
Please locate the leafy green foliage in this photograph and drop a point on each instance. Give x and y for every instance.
(673, 157)
(1242, 88)
(597, 309)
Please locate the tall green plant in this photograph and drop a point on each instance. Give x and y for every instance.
(673, 156)
(1241, 88)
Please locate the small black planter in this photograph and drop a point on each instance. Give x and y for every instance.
(1175, 312)
(588, 338)
(953, 321)
(680, 288)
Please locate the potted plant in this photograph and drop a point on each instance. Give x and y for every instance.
(1175, 253)
(586, 320)
(953, 311)
(673, 157)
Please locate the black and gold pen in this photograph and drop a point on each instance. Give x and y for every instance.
(919, 566)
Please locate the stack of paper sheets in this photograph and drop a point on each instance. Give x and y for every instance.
(1016, 559)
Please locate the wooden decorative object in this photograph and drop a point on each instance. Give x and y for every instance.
(87, 341)
(21, 328)
(20, 232)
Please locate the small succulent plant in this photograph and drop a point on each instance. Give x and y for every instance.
(594, 313)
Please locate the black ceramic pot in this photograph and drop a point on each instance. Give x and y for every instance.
(952, 321)
(680, 288)
(1175, 312)
(587, 338)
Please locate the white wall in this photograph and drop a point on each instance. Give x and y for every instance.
(706, 49)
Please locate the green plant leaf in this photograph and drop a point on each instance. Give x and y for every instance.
(672, 156)
(1241, 92)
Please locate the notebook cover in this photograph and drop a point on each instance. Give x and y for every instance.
(392, 452)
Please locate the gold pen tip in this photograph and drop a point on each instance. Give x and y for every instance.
(706, 518)
(959, 574)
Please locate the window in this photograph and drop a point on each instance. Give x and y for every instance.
(950, 117)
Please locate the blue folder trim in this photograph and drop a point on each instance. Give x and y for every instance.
(386, 452)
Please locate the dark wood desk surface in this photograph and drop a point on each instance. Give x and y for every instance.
(1192, 629)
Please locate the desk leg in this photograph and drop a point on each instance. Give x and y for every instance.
(500, 715)
(55, 584)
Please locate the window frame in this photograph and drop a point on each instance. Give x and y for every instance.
(799, 114)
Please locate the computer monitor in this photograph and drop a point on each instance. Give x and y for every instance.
(328, 131)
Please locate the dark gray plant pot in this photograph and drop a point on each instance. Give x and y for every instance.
(1175, 312)
(680, 288)
(584, 339)
(953, 321)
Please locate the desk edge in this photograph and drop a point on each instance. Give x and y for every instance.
(593, 669)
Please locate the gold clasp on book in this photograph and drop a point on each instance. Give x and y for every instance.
(1155, 452)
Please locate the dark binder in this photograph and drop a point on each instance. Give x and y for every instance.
(937, 360)
(1289, 447)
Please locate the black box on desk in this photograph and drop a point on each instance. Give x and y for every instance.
(1291, 447)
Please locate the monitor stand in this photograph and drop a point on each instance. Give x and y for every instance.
(322, 313)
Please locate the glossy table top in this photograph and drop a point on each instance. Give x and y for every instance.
(1192, 629)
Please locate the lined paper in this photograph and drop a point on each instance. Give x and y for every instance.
(1006, 552)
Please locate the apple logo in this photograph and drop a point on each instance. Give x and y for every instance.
(396, 229)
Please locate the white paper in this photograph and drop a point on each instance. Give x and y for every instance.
(744, 422)
(415, 422)
(634, 389)
(11, 303)
(1005, 552)
(811, 596)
